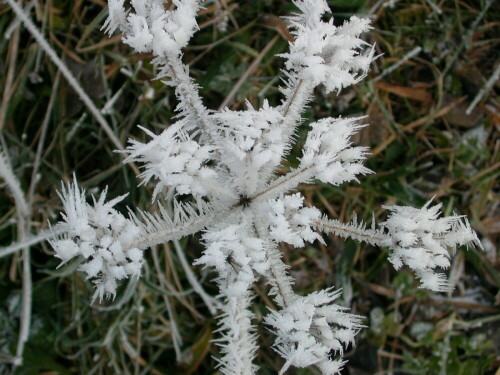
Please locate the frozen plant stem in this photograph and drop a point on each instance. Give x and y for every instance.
(224, 164)
(212, 304)
(23, 213)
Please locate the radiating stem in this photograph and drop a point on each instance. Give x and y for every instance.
(286, 183)
(279, 278)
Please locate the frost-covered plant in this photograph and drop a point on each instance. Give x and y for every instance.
(226, 161)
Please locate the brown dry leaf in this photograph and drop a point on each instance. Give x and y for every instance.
(278, 24)
(214, 8)
(471, 76)
(381, 290)
(493, 112)
(415, 93)
(456, 116)
(199, 350)
(492, 224)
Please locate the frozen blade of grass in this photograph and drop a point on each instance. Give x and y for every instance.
(23, 211)
(434, 7)
(212, 303)
(414, 52)
(41, 142)
(375, 7)
(75, 127)
(13, 184)
(390, 3)
(27, 298)
(485, 89)
(30, 241)
(108, 107)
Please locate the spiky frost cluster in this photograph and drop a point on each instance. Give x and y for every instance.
(149, 28)
(174, 161)
(252, 145)
(323, 53)
(101, 237)
(237, 255)
(290, 222)
(422, 241)
(305, 336)
(226, 161)
(329, 150)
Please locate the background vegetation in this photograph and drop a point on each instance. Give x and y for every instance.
(423, 145)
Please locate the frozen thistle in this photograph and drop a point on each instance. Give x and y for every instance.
(224, 164)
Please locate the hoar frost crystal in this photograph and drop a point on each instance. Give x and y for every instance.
(227, 161)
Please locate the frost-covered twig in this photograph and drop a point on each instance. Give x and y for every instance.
(356, 231)
(159, 228)
(238, 337)
(417, 238)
